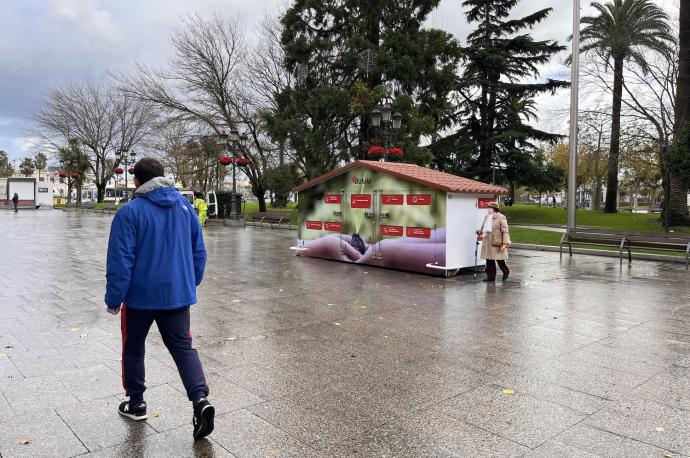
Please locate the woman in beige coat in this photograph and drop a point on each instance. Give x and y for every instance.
(496, 242)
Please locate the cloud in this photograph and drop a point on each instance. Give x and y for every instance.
(91, 23)
(44, 43)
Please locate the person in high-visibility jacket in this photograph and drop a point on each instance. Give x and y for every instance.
(201, 208)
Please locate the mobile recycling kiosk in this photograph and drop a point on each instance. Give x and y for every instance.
(395, 215)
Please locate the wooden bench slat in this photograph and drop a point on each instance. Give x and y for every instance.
(627, 240)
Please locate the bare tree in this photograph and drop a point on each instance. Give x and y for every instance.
(265, 75)
(102, 120)
(594, 135)
(203, 85)
(649, 94)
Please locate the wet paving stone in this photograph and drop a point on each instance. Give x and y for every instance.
(311, 358)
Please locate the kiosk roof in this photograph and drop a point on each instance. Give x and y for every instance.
(415, 173)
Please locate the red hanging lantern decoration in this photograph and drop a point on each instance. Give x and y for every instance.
(375, 152)
(62, 174)
(225, 160)
(131, 170)
(242, 161)
(119, 170)
(395, 154)
(74, 174)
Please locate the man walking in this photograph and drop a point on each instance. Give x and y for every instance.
(156, 259)
(15, 202)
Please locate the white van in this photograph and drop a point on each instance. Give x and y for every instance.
(211, 200)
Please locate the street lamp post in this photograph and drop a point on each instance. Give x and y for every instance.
(235, 144)
(383, 119)
(68, 167)
(127, 160)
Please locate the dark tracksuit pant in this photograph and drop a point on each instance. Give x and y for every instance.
(177, 337)
(491, 268)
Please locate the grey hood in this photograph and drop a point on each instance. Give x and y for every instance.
(160, 191)
(153, 184)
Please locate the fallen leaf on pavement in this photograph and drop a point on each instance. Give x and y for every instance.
(659, 429)
(74, 329)
(155, 414)
(25, 442)
(507, 391)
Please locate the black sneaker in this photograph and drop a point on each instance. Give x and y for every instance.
(134, 411)
(204, 413)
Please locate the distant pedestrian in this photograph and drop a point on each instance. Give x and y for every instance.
(496, 242)
(201, 208)
(15, 202)
(156, 259)
(553, 200)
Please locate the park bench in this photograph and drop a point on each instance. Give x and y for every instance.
(270, 219)
(108, 208)
(626, 241)
(88, 207)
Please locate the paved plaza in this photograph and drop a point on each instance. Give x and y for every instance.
(312, 358)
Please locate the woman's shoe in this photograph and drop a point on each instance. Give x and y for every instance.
(505, 276)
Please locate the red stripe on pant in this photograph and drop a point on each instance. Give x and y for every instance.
(123, 328)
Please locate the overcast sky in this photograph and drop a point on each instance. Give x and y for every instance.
(44, 43)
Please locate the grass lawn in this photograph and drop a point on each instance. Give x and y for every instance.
(550, 238)
(534, 236)
(251, 207)
(635, 222)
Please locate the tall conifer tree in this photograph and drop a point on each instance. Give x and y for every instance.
(499, 81)
(325, 116)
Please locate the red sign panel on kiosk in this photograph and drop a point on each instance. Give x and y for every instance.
(483, 202)
(419, 199)
(316, 225)
(332, 198)
(419, 232)
(392, 199)
(392, 231)
(360, 200)
(333, 226)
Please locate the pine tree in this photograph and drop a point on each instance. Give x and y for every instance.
(326, 116)
(499, 81)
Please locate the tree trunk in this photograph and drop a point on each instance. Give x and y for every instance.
(678, 203)
(69, 190)
(260, 197)
(596, 198)
(612, 181)
(100, 189)
(652, 201)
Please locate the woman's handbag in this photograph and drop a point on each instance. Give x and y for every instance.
(496, 239)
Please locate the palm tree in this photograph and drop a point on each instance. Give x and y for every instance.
(622, 30)
(678, 205)
(41, 162)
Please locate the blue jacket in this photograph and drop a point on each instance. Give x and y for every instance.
(156, 252)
